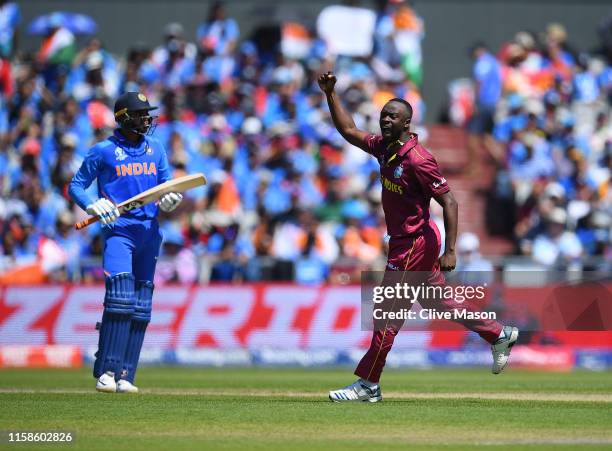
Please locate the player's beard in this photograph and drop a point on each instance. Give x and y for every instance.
(391, 138)
(391, 134)
(387, 134)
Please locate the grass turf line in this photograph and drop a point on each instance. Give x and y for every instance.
(228, 421)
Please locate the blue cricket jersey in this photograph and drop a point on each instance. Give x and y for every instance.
(123, 169)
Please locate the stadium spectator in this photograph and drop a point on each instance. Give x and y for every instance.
(472, 268)
(226, 268)
(557, 246)
(56, 53)
(71, 242)
(551, 132)
(468, 255)
(66, 165)
(94, 75)
(397, 40)
(10, 17)
(173, 63)
(287, 199)
(219, 34)
(487, 76)
(177, 263)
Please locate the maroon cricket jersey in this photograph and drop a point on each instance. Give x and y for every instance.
(410, 177)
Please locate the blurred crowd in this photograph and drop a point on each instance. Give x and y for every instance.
(541, 109)
(287, 198)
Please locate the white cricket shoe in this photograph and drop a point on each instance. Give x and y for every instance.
(357, 391)
(124, 386)
(106, 383)
(502, 347)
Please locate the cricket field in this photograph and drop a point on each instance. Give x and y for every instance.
(271, 408)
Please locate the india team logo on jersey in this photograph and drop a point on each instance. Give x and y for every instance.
(398, 172)
(136, 169)
(120, 154)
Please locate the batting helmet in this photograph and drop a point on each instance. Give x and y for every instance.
(132, 112)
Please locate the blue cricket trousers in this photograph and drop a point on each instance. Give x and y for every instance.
(132, 246)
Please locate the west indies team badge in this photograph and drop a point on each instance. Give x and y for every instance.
(398, 172)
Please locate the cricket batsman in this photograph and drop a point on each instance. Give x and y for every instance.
(125, 164)
(410, 178)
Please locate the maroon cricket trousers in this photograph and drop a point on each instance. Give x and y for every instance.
(416, 253)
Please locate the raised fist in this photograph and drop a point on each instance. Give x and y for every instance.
(327, 82)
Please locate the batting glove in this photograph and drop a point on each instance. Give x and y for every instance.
(105, 209)
(170, 201)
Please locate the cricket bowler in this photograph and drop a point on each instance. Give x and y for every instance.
(124, 165)
(410, 178)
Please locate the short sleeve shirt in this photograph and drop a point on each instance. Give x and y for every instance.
(410, 177)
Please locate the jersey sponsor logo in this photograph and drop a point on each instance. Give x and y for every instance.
(398, 172)
(136, 169)
(120, 154)
(390, 186)
(438, 185)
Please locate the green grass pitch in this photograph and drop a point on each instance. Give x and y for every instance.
(255, 408)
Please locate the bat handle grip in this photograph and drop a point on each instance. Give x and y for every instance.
(86, 222)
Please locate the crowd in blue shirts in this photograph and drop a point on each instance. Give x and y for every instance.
(542, 110)
(287, 198)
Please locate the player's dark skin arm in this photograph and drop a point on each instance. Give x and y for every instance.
(342, 119)
(450, 209)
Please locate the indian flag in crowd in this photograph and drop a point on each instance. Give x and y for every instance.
(58, 47)
(295, 40)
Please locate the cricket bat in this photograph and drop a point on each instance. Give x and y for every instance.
(177, 185)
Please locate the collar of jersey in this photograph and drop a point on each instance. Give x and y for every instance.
(125, 142)
(132, 149)
(412, 142)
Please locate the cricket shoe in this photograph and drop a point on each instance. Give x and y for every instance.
(106, 383)
(502, 347)
(357, 391)
(125, 386)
